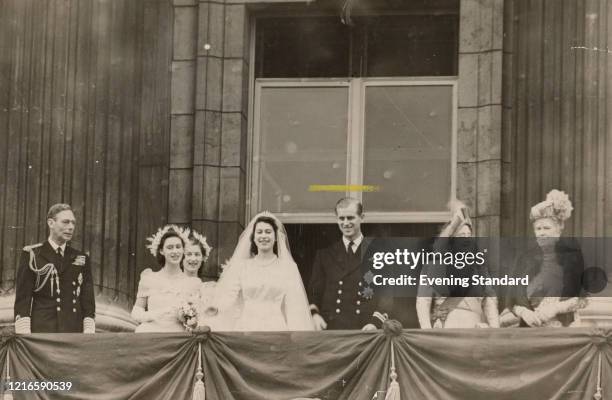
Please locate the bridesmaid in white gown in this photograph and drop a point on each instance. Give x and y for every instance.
(197, 252)
(261, 289)
(161, 293)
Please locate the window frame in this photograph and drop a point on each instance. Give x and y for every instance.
(354, 126)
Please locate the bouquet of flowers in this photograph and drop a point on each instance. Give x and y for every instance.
(188, 316)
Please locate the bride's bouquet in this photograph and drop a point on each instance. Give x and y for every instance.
(188, 315)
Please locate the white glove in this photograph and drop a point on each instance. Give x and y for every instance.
(140, 315)
(530, 317)
(23, 325)
(369, 327)
(319, 322)
(89, 325)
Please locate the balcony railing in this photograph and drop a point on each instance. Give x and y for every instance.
(514, 363)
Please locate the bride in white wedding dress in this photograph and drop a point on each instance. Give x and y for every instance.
(261, 288)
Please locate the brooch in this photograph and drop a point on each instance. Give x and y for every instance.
(368, 293)
(368, 277)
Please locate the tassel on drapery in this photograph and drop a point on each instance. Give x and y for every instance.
(393, 391)
(598, 394)
(199, 391)
(7, 395)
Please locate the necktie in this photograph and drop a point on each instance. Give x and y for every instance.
(349, 248)
(59, 252)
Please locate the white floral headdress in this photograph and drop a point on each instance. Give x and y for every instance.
(155, 239)
(557, 205)
(201, 239)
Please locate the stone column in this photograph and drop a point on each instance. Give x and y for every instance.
(479, 113)
(221, 106)
(182, 110)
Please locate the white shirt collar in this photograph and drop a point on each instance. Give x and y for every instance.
(356, 242)
(55, 246)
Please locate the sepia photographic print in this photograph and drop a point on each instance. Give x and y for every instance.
(305, 199)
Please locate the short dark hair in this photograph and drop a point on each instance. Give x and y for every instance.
(56, 209)
(270, 221)
(347, 202)
(161, 260)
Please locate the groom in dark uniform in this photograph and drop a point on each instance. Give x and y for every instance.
(54, 286)
(339, 294)
(339, 297)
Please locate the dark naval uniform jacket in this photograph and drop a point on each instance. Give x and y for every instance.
(55, 291)
(337, 289)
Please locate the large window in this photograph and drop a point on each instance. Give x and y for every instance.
(370, 109)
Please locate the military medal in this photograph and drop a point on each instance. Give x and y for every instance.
(368, 293)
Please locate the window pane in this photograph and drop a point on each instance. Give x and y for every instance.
(302, 48)
(408, 147)
(415, 45)
(420, 41)
(303, 137)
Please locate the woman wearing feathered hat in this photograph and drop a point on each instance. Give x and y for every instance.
(554, 268)
(456, 307)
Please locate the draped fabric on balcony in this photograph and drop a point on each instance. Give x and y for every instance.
(439, 364)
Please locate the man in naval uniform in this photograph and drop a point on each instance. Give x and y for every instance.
(341, 291)
(54, 286)
(339, 297)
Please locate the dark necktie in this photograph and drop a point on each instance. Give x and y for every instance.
(349, 248)
(59, 252)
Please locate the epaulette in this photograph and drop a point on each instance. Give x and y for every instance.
(31, 247)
